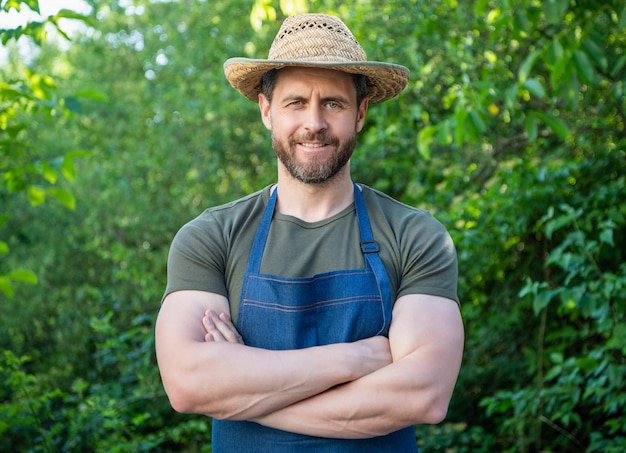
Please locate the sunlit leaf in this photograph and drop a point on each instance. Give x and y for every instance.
(67, 168)
(6, 286)
(424, 139)
(65, 197)
(49, 173)
(23, 276)
(36, 195)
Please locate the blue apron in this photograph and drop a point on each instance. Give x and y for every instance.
(281, 313)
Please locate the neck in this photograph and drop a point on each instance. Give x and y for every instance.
(314, 202)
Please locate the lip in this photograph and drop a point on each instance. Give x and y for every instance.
(314, 146)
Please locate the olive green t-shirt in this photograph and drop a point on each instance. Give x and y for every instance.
(210, 253)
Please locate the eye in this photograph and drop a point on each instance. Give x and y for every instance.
(333, 105)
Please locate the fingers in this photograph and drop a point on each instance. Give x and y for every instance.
(220, 328)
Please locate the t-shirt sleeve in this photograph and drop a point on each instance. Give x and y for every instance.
(196, 259)
(429, 261)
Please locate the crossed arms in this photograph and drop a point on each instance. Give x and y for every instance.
(362, 389)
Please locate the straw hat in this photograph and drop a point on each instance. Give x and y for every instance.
(320, 41)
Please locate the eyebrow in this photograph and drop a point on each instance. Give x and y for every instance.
(335, 98)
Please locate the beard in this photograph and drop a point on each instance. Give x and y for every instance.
(320, 168)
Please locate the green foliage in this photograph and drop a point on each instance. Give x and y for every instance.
(117, 406)
(29, 97)
(511, 132)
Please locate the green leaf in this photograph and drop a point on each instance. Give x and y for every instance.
(555, 51)
(69, 14)
(49, 173)
(535, 87)
(36, 195)
(65, 197)
(527, 65)
(510, 95)
(480, 7)
(6, 286)
(555, 10)
(67, 168)
(424, 139)
(521, 23)
(530, 124)
(583, 66)
(622, 19)
(477, 122)
(596, 53)
(619, 64)
(24, 276)
(4, 248)
(557, 125)
(444, 134)
(17, 5)
(558, 70)
(553, 372)
(73, 104)
(92, 94)
(542, 299)
(460, 115)
(606, 237)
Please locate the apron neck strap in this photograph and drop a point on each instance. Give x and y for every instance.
(369, 247)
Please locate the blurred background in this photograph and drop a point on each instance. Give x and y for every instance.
(117, 126)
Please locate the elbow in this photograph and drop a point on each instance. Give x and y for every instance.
(436, 413)
(180, 399)
(185, 401)
(182, 393)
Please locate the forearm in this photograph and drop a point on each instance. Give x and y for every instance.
(233, 381)
(392, 398)
(207, 370)
(426, 339)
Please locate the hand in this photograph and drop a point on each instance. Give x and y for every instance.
(376, 353)
(219, 327)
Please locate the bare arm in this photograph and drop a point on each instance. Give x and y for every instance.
(426, 339)
(228, 380)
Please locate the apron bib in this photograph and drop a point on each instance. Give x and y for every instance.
(281, 313)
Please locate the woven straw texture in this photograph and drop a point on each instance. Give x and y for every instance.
(317, 40)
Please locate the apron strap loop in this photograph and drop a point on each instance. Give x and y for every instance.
(370, 247)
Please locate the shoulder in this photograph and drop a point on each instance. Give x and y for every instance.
(229, 214)
(222, 225)
(384, 209)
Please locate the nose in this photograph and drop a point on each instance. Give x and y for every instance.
(315, 120)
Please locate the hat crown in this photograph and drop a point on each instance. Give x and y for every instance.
(315, 38)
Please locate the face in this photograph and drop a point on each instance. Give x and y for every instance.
(314, 119)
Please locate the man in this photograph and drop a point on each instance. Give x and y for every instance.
(345, 330)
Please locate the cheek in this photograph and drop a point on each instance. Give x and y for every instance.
(284, 124)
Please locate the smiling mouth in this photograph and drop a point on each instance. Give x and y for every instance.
(312, 145)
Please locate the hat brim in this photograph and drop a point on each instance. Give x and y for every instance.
(385, 80)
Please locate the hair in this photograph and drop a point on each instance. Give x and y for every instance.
(268, 82)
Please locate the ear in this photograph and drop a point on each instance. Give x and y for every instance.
(264, 106)
(360, 118)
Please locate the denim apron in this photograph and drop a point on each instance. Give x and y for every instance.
(281, 313)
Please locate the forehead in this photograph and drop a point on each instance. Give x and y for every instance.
(305, 79)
